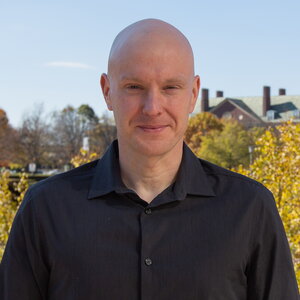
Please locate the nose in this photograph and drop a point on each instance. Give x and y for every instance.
(152, 105)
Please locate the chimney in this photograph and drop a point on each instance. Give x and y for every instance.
(282, 92)
(219, 94)
(204, 100)
(266, 100)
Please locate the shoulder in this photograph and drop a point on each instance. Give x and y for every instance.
(235, 184)
(79, 175)
(214, 171)
(64, 185)
(245, 197)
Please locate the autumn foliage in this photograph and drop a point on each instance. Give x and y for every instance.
(277, 166)
(10, 199)
(83, 157)
(200, 125)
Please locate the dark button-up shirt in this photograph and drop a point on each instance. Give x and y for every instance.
(211, 235)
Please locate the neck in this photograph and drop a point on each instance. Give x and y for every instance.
(148, 175)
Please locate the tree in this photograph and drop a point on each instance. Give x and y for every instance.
(100, 137)
(200, 125)
(277, 166)
(3, 120)
(67, 133)
(87, 113)
(229, 147)
(8, 140)
(102, 134)
(34, 137)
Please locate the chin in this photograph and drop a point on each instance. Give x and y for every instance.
(154, 147)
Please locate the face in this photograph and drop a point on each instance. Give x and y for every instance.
(151, 90)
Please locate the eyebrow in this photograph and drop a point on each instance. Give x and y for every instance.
(178, 79)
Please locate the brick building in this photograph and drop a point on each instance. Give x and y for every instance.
(263, 110)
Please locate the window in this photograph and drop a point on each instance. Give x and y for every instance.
(296, 113)
(271, 115)
(227, 115)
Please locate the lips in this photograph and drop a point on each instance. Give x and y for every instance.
(152, 128)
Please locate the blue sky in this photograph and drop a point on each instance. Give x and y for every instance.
(53, 52)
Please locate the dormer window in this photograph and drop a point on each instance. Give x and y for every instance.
(227, 115)
(271, 115)
(296, 113)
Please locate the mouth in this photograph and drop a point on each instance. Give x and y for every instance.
(152, 128)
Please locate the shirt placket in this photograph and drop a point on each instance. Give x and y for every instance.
(147, 260)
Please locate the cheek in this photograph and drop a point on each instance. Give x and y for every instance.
(182, 107)
(125, 111)
(182, 113)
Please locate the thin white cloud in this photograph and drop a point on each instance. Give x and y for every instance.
(68, 64)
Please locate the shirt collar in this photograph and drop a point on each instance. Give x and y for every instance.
(191, 178)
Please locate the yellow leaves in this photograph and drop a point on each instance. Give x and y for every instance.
(83, 157)
(277, 166)
(199, 126)
(21, 187)
(9, 203)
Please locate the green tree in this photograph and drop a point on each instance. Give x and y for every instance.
(88, 113)
(229, 147)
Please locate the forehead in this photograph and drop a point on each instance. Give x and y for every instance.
(164, 60)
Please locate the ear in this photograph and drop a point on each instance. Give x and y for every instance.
(105, 86)
(195, 92)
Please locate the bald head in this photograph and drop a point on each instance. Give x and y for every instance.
(151, 87)
(149, 36)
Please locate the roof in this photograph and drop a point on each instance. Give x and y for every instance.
(284, 106)
(241, 105)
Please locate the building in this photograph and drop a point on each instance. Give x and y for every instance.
(263, 110)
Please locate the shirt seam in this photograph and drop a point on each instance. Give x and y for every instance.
(245, 179)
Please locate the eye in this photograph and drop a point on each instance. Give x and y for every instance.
(133, 87)
(171, 88)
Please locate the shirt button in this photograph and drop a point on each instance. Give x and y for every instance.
(148, 261)
(148, 211)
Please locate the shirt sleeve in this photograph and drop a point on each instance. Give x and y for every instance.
(270, 272)
(23, 273)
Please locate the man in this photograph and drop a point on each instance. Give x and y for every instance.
(149, 220)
